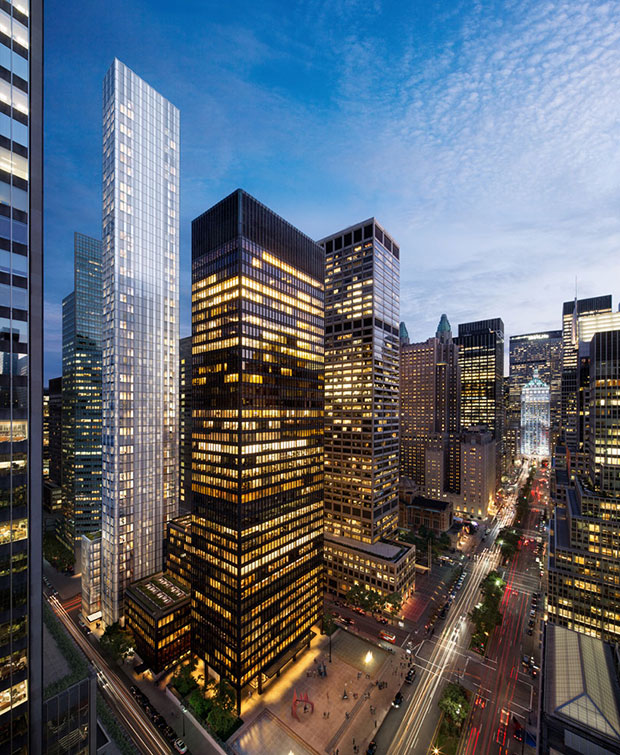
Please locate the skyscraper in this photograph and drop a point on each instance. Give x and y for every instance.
(362, 279)
(185, 424)
(581, 319)
(430, 416)
(82, 311)
(140, 330)
(529, 352)
(584, 568)
(257, 477)
(21, 384)
(535, 417)
(481, 358)
(55, 429)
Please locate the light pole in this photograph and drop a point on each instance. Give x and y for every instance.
(183, 712)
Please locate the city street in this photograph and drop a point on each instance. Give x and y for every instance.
(446, 656)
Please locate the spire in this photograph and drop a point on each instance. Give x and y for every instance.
(444, 330)
(403, 334)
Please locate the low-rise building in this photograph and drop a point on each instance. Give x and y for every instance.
(387, 566)
(91, 575)
(580, 700)
(158, 613)
(417, 511)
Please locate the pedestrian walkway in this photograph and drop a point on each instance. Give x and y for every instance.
(344, 708)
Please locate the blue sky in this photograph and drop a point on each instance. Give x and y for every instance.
(485, 136)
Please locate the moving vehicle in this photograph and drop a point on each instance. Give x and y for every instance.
(410, 676)
(387, 636)
(398, 700)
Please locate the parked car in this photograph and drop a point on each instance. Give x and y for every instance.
(372, 748)
(410, 676)
(398, 700)
(180, 746)
(383, 620)
(348, 621)
(518, 733)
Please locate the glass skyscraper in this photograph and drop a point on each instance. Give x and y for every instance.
(81, 394)
(21, 383)
(185, 424)
(140, 330)
(257, 440)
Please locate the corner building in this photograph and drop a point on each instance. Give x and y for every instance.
(257, 440)
(362, 280)
(140, 331)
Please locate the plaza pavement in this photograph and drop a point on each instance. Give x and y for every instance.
(336, 724)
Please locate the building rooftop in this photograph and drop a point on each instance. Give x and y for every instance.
(159, 594)
(387, 550)
(580, 681)
(429, 503)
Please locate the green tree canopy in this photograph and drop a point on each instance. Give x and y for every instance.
(454, 704)
(117, 642)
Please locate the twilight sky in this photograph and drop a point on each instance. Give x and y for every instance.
(485, 136)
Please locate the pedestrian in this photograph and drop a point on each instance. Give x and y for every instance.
(347, 715)
(375, 724)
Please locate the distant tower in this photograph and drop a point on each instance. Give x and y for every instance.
(535, 417)
(403, 333)
(430, 411)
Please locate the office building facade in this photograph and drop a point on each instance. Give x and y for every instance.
(430, 412)
(185, 424)
(55, 430)
(535, 417)
(257, 439)
(21, 383)
(481, 357)
(362, 280)
(82, 312)
(140, 331)
(584, 569)
(581, 319)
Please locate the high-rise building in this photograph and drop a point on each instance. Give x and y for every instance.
(481, 358)
(46, 434)
(55, 429)
(185, 424)
(581, 319)
(140, 331)
(21, 385)
(584, 568)
(430, 412)
(257, 477)
(362, 279)
(477, 474)
(82, 311)
(529, 352)
(535, 417)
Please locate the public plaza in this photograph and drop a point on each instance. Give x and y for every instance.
(336, 712)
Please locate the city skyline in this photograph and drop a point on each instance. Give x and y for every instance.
(471, 195)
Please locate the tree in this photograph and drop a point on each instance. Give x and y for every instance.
(117, 642)
(329, 625)
(394, 601)
(183, 680)
(221, 716)
(454, 704)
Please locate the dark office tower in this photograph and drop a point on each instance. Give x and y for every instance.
(529, 352)
(82, 315)
(403, 334)
(481, 357)
(430, 412)
(21, 383)
(257, 439)
(362, 279)
(581, 319)
(185, 424)
(55, 429)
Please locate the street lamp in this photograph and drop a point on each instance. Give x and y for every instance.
(183, 712)
(368, 657)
